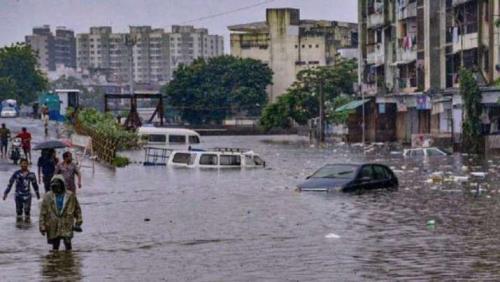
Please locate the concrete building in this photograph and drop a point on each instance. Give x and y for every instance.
(53, 50)
(288, 44)
(148, 55)
(411, 52)
(188, 43)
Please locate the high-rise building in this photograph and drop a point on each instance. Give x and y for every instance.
(288, 44)
(188, 43)
(150, 55)
(53, 50)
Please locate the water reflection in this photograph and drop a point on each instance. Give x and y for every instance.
(62, 266)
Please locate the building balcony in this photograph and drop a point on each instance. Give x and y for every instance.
(406, 55)
(408, 11)
(460, 2)
(370, 89)
(376, 57)
(375, 20)
(465, 42)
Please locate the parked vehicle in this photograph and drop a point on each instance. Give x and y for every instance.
(8, 112)
(15, 150)
(350, 178)
(9, 108)
(171, 138)
(425, 152)
(216, 158)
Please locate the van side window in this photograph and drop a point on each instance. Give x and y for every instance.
(230, 160)
(208, 159)
(182, 158)
(180, 139)
(193, 139)
(157, 138)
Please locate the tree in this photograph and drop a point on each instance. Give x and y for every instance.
(301, 102)
(7, 88)
(19, 65)
(471, 126)
(211, 90)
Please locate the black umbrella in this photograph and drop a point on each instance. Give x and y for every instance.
(52, 144)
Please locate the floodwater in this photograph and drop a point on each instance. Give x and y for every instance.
(250, 224)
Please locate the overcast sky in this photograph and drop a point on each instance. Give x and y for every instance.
(17, 17)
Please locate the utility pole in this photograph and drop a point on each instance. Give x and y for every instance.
(321, 112)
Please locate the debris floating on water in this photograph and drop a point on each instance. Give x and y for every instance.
(332, 236)
(147, 219)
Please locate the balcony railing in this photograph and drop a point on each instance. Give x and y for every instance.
(408, 11)
(375, 20)
(460, 2)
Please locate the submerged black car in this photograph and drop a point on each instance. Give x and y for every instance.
(350, 178)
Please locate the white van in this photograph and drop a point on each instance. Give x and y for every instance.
(170, 138)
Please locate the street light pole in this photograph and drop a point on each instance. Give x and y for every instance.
(321, 112)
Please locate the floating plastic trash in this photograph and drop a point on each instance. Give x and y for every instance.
(478, 174)
(431, 222)
(332, 236)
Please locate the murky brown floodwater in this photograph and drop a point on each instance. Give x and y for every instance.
(250, 225)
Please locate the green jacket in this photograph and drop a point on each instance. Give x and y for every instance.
(57, 224)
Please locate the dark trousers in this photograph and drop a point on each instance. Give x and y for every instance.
(23, 204)
(46, 182)
(57, 242)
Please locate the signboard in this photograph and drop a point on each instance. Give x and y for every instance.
(424, 103)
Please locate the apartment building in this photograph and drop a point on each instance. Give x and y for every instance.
(288, 44)
(411, 52)
(53, 49)
(148, 55)
(188, 43)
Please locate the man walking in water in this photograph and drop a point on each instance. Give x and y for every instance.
(4, 140)
(60, 214)
(23, 179)
(69, 170)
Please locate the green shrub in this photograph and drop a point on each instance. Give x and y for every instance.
(120, 161)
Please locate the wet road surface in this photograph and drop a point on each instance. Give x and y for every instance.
(250, 224)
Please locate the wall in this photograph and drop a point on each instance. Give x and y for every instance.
(284, 35)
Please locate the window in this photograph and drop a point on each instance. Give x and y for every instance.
(380, 173)
(258, 161)
(193, 139)
(208, 159)
(177, 139)
(182, 158)
(230, 160)
(366, 171)
(417, 153)
(434, 152)
(157, 138)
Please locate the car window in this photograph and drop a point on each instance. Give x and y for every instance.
(380, 173)
(366, 171)
(257, 160)
(180, 139)
(418, 153)
(234, 160)
(388, 172)
(434, 152)
(182, 158)
(157, 138)
(335, 171)
(208, 159)
(193, 139)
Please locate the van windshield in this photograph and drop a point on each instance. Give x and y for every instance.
(193, 139)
